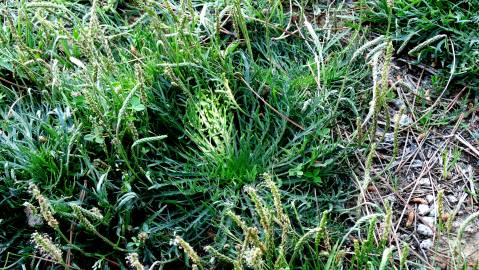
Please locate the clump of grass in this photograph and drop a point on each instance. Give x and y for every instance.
(428, 31)
(136, 119)
(275, 243)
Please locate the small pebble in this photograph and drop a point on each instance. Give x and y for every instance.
(424, 230)
(429, 198)
(416, 163)
(433, 211)
(471, 229)
(398, 103)
(468, 229)
(452, 199)
(422, 209)
(391, 198)
(424, 182)
(429, 221)
(426, 244)
(389, 137)
(405, 120)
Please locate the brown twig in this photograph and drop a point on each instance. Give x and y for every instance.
(72, 225)
(12, 83)
(271, 107)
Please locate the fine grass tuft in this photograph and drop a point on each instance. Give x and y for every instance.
(433, 33)
(125, 124)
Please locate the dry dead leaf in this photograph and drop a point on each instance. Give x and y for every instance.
(421, 136)
(410, 218)
(419, 201)
(133, 50)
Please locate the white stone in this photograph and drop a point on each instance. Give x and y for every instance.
(424, 182)
(426, 244)
(429, 221)
(391, 198)
(452, 199)
(389, 137)
(433, 211)
(469, 229)
(423, 209)
(416, 163)
(405, 120)
(398, 103)
(429, 198)
(424, 230)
